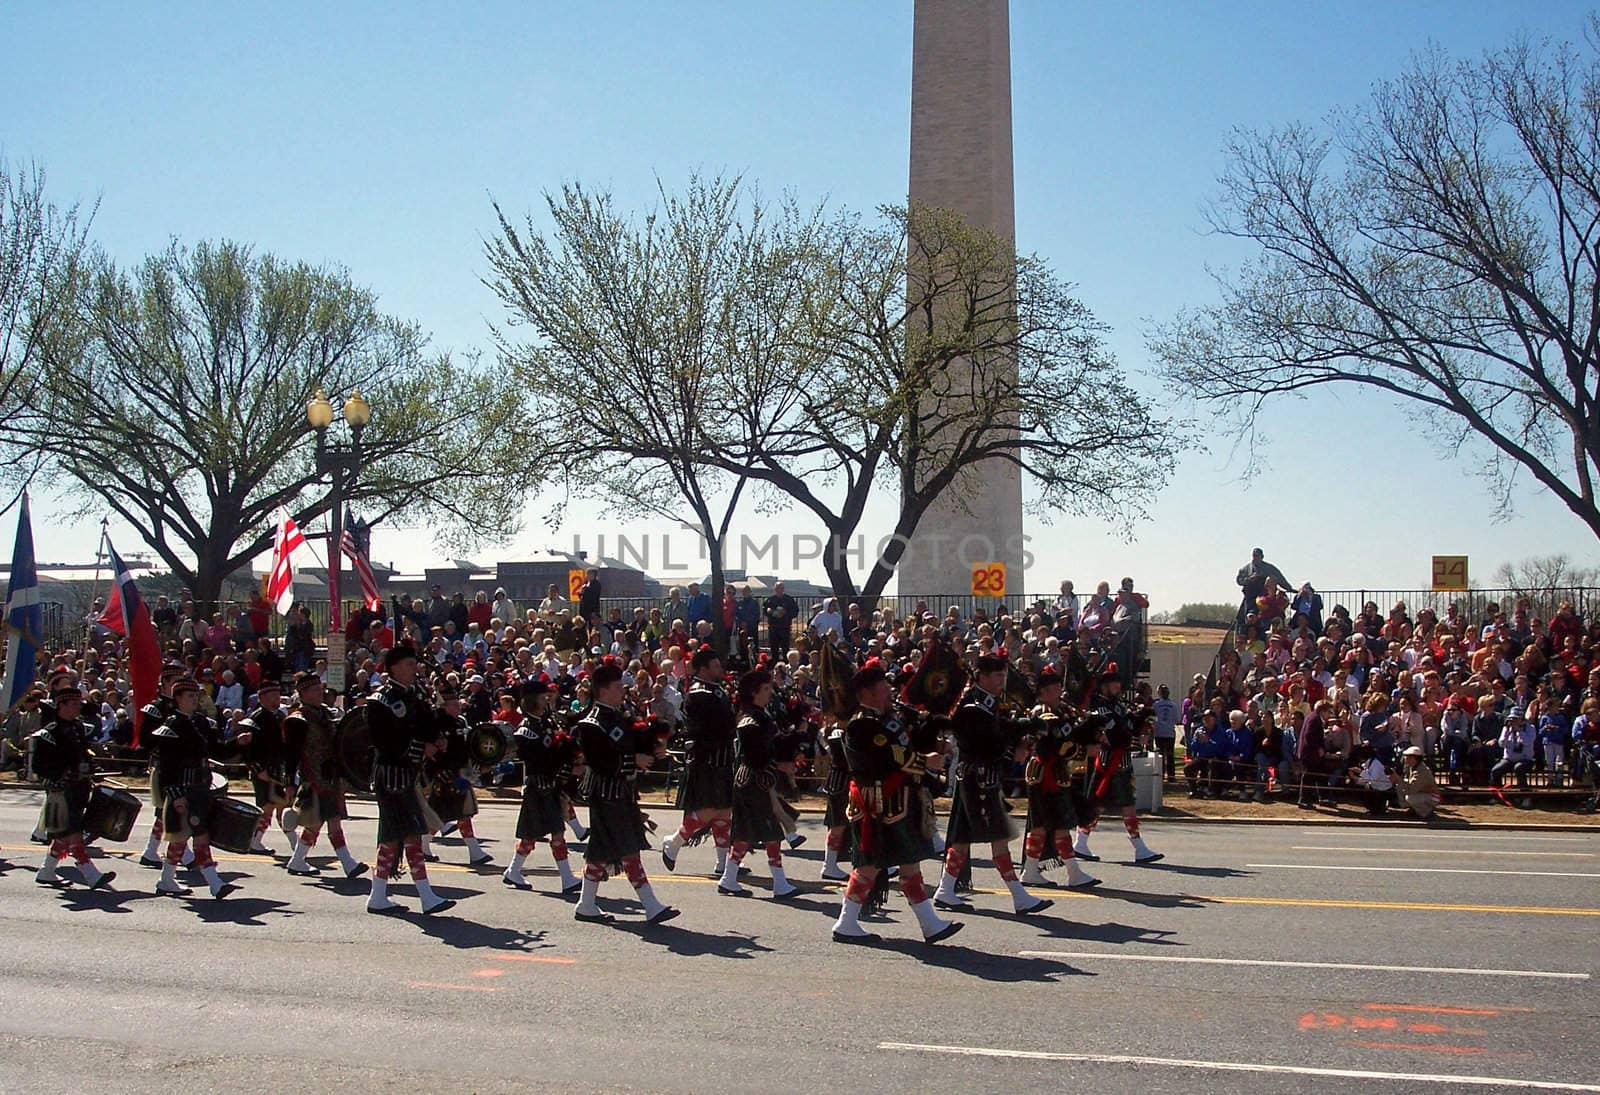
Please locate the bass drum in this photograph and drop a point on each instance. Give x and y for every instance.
(232, 823)
(487, 743)
(353, 745)
(110, 814)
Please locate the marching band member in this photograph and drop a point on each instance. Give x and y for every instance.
(548, 754)
(1111, 780)
(1052, 815)
(312, 748)
(984, 743)
(404, 735)
(836, 789)
(615, 750)
(755, 783)
(181, 744)
(61, 759)
(155, 713)
(889, 831)
(266, 756)
(706, 793)
(454, 770)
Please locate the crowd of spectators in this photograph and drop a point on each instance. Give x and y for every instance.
(1381, 701)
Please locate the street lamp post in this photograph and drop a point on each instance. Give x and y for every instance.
(342, 461)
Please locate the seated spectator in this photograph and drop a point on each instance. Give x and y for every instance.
(1377, 786)
(1516, 749)
(1201, 759)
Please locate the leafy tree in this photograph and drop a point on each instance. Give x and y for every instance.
(1440, 245)
(174, 393)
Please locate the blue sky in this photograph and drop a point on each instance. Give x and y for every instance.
(374, 136)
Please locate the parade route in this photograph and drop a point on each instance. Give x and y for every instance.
(1266, 958)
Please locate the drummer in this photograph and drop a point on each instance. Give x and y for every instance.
(312, 743)
(180, 746)
(61, 759)
(266, 756)
(452, 796)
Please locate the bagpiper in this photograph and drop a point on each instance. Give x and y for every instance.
(756, 804)
(985, 741)
(889, 830)
(154, 713)
(404, 736)
(266, 757)
(1059, 741)
(183, 744)
(706, 793)
(615, 750)
(61, 759)
(549, 758)
(1111, 779)
(453, 796)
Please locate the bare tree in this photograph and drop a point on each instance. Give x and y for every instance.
(41, 247)
(1544, 573)
(175, 395)
(1440, 245)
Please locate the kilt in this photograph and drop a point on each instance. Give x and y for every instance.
(616, 831)
(1052, 811)
(431, 821)
(192, 822)
(269, 792)
(1119, 793)
(755, 814)
(876, 842)
(977, 813)
(835, 814)
(707, 784)
(320, 804)
(543, 813)
(64, 807)
(401, 815)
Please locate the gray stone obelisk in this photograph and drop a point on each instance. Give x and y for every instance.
(961, 160)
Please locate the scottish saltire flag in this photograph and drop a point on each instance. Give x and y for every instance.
(127, 615)
(24, 614)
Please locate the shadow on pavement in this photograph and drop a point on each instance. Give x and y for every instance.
(1197, 872)
(981, 964)
(687, 941)
(471, 935)
(1058, 928)
(236, 909)
(83, 899)
(1153, 900)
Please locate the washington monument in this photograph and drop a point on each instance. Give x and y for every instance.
(961, 161)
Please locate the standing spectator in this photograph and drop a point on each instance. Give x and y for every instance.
(747, 614)
(589, 597)
(1310, 749)
(503, 609)
(555, 602)
(458, 613)
(298, 643)
(1252, 581)
(1067, 602)
(1167, 713)
(480, 612)
(828, 619)
(218, 638)
(1308, 603)
(1554, 729)
(781, 611)
(696, 607)
(260, 615)
(165, 617)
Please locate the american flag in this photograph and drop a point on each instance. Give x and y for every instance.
(280, 581)
(356, 545)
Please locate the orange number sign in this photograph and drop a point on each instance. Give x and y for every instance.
(989, 580)
(575, 580)
(1449, 572)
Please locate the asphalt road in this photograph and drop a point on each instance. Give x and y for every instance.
(1149, 984)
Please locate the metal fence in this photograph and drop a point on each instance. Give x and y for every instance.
(1477, 605)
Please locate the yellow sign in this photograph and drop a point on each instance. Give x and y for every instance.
(575, 580)
(1449, 572)
(988, 579)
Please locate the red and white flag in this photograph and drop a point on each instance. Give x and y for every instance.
(280, 580)
(126, 615)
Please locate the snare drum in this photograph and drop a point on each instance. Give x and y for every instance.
(110, 814)
(219, 784)
(232, 823)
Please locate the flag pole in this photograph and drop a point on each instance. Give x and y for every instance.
(94, 587)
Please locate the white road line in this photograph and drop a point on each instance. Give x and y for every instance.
(1552, 975)
(1243, 1066)
(1433, 851)
(1480, 835)
(1423, 870)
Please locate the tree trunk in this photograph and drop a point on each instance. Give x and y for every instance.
(719, 628)
(837, 567)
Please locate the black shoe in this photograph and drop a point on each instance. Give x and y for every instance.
(576, 887)
(54, 883)
(481, 860)
(516, 885)
(797, 841)
(856, 940)
(181, 891)
(309, 872)
(668, 861)
(725, 892)
(449, 828)
(430, 857)
(1306, 805)
(1039, 908)
(103, 881)
(1086, 857)
(668, 913)
(357, 871)
(226, 889)
(146, 861)
(594, 918)
(949, 930)
(1089, 885)
(952, 906)
(447, 903)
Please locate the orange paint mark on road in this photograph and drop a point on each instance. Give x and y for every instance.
(549, 959)
(1374, 1022)
(1456, 1050)
(488, 973)
(456, 988)
(1431, 1009)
